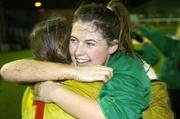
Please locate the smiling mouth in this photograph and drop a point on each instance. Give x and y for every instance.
(82, 62)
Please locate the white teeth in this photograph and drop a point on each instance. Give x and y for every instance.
(82, 60)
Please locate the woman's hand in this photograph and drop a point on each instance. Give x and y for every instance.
(93, 73)
(43, 91)
(76, 105)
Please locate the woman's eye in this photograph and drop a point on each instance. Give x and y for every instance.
(73, 40)
(90, 44)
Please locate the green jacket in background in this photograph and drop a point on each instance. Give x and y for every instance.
(128, 93)
(149, 53)
(170, 69)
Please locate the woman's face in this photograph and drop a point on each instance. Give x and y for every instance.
(87, 45)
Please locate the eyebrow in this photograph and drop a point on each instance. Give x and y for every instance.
(74, 37)
(90, 40)
(85, 40)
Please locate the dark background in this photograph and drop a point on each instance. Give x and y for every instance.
(17, 18)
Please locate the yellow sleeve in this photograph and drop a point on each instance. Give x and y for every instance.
(159, 107)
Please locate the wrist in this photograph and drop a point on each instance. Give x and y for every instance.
(72, 73)
(68, 72)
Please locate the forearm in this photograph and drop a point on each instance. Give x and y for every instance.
(76, 105)
(28, 71)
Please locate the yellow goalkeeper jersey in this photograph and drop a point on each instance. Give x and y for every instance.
(38, 110)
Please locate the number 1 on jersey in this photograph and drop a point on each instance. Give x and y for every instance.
(39, 109)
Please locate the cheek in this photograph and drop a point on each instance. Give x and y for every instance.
(71, 49)
(98, 56)
(71, 52)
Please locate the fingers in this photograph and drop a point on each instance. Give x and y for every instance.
(100, 76)
(93, 73)
(36, 89)
(108, 69)
(106, 73)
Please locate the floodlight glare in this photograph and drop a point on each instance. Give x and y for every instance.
(37, 4)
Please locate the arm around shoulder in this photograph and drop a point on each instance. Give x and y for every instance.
(29, 70)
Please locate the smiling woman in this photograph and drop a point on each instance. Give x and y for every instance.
(95, 40)
(47, 38)
(87, 45)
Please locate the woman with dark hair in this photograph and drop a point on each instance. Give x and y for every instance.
(95, 40)
(49, 42)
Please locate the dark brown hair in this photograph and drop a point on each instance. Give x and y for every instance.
(50, 39)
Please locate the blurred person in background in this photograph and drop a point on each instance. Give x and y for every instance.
(145, 49)
(169, 69)
(160, 104)
(152, 54)
(178, 32)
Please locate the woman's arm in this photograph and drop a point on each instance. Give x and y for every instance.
(28, 71)
(78, 106)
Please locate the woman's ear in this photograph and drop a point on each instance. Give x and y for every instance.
(113, 46)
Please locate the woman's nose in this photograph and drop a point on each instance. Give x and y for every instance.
(79, 50)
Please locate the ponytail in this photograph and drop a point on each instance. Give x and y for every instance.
(124, 38)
